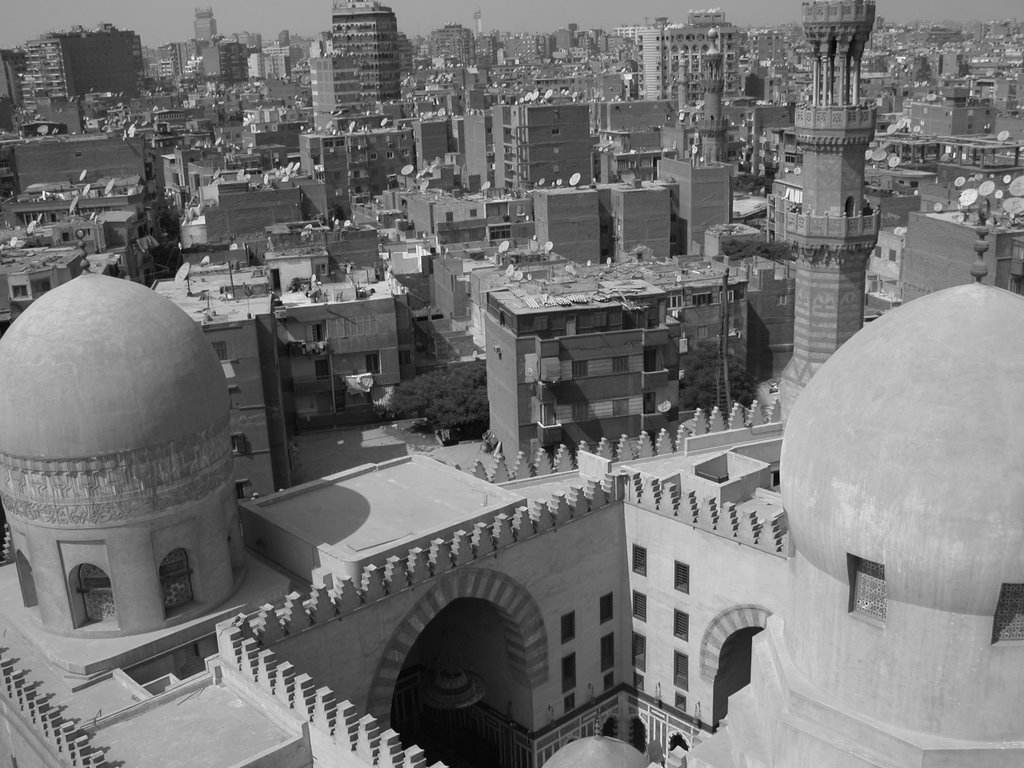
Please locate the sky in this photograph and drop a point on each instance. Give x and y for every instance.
(161, 21)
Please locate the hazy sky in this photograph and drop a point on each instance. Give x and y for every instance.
(160, 21)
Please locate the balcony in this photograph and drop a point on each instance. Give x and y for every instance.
(651, 380)
(839, 121)
(654, 337)
(549, 434)
(652, 423)
(544, 392)
(803, 226)
(312, 386)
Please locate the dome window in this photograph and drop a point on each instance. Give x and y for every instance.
(868, 588)
(175, 580)
(97, 594)
(1008, 623)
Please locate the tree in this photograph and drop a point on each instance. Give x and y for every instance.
(702, 370)
(452, 397)
(749, 183)
(741, 248)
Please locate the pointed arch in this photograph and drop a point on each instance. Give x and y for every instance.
(525, 635)
(719, 630)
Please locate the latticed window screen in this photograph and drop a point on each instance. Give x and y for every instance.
(681, 670)
(682, 577)
(174, 578)
(869, 588)
(1008, 623)
(94, 584)
(640, 652)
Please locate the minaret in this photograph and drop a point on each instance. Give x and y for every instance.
(712, 128)
(831, 232)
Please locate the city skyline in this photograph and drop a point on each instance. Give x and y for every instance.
(169, 23)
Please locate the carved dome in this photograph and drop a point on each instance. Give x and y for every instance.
(597, 752)
(903, 450)
(112, 397)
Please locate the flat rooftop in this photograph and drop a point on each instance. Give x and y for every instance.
(370, 509)
(207, 294)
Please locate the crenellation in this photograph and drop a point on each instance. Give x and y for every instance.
(563, 459)
(524, 470)
(369, 738)
(664, 445)
(542, 463)
(624, 449)
(645, 448)
(500, 473)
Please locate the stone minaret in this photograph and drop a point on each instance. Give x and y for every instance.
(712, 128)
(831, 231)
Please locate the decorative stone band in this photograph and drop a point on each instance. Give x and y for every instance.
(119, 486)
(842, 255)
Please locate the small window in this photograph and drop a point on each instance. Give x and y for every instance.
(609, 681)
(682, 577)
(19, 291)
(1008, 623)
(681, 625)
(580, 369)
(620, 407)
(620, 364)
(404, 357)
(556, 131)
(568, 626)
(449, 216)
(639, 651)
(221, 348)
(639, 560)
(638, 681)
(322, 367)
(580, 411)
(239, 445)
(868, 588)
(605, 607)
(681, 671)
(607, 652)
(240, 489)
(681, 702)
(639, 605)
(569, 703)
(373, 363)
(568, 672)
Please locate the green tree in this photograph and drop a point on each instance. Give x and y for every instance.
(741, 248)
(701, 372)
(452, 397)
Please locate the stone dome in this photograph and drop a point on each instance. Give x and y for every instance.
(903, 449)
(597, 752)
(101, 365)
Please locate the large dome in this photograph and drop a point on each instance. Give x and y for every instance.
(597, 752)
(100, 366)
(904, 449)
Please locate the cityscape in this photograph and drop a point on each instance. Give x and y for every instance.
(402, 391)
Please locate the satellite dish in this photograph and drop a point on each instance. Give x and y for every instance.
(42, 130)
(900, 231)
(384, 123)
(347, 224)
(182, 274)
(31, 227)
(868, 153)
(574, 179)
(959, 218)
(548, 94)
(959, 182)
(73, 206)
(1017, 187)
(893, 161)
(1014, 205)
(879, 155)
(549, 247)
(892, 128)
(15, 242)
(629, 177)
(131, 131)
(530, 276)
(82, 175)
(987, 188)
(937, 207)
(86, 189)
(944, 158)
(1007, 179)
(999, 194)
(589, 263)
(968, 197)
(219, 141)
(558, 183)
(351, 126)
(517, 276)
(442, 112)
(232, 247)
(541, 182)
(664, 406)
(510, 270)
(797, 171)
(503, 246)
(931, 97)
(424, 186)
(485, 186)
(917, 129)
(1003, 135)
(570, 269)
(407, 169)
(205, 262)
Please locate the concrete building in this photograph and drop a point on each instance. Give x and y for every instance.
(831, 232)
(80, 61)
(541, 142)
(952, 113)
(204, 26)
(701, 197)
(334, 83)
(367, 33)
(454, 44)
(671, 55)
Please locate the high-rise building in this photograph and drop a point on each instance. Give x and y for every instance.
(453, 42)
(80, 61)
(204, 26)
(825, 219)
(541, 141)
(368, 33)
(334, 83)
(670, 54)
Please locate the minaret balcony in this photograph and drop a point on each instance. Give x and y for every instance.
(846, 121)
(809, 228)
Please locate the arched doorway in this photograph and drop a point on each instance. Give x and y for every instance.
(26, 580)
(610, 727)
(457, 690)
(638, 735)
(175, 580)
(677, 740)
(733, 670)
(92, 584)
(851, 209)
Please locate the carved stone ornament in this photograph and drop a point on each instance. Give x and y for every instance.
(119, 486)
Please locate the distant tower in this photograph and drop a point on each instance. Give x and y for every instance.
(712, 128)
(204, 26)
(367, 32)
(478, 21)
(831, 233)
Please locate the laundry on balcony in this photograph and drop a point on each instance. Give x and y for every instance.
(359, 383)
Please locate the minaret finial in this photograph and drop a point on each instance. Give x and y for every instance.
(979, 269)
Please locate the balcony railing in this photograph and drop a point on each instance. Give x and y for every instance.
(549, 434)
(841, 118)
(846, 227)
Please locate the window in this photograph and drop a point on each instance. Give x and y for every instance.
(221, 348)
(580, 369)
(620, 407)
(97, 594)
(701, 299)
(239, 444)
(682, 577)
(702, 331)
(556, 131)
(609, 681)
(1008, 623)
(19, 291)
(868, 588)
(639, 605)
(175, 580)
(40, 286)
(449, 216)
(784, 300)
(404, 357)
(638, 681)
(639, 651)
(607, 652)
(373, 155)
(373, 362)
(472, 213)
(240, 489)
(322, 367)
(681, 625)
(681, 701)
(620, 364)
(605, 607)
(568, 672)
(580, 411)
(681, 671)
(568, 626)
(569, 703)
(639, 560)
(651, 360)
(315, 332)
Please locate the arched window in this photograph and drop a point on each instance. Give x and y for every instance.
(175, 580)
(638, 734)
(26, 580)
(97, 594)
(850, 207)
(610, 727)
(677, 740)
